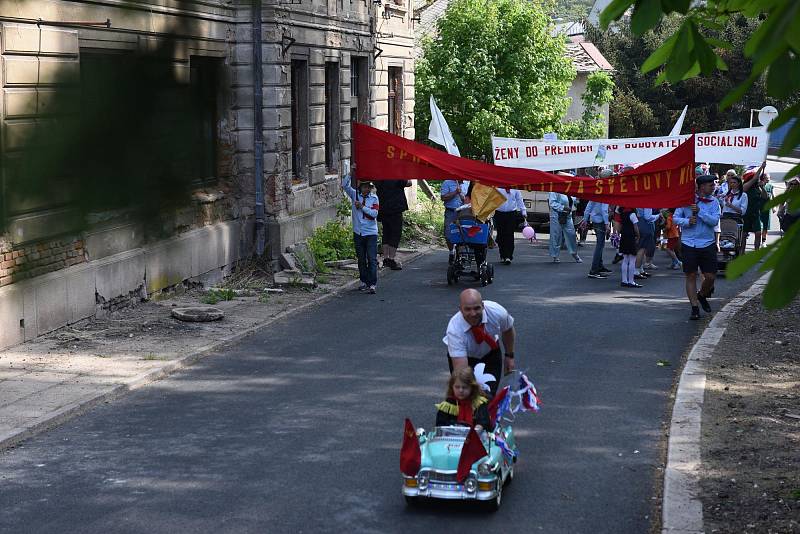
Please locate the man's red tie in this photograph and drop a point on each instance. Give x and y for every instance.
(479, 332)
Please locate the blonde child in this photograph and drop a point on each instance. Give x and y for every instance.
(464, 402)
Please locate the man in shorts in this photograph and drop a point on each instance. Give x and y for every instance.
(698, 246)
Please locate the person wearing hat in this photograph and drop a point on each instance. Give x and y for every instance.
(365, 231)
(699, 248)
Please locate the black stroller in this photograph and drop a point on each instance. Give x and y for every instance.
(470, 239)
(730, 240)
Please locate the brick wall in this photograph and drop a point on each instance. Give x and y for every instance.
(37, 259)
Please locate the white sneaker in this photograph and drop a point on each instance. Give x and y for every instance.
(577, 258)
(650, 266)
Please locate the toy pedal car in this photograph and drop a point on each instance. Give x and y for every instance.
(441, 450)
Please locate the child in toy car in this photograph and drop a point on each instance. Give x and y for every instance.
(465, 403)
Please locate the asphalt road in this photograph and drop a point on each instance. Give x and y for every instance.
(298, 428)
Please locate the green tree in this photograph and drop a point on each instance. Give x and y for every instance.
(494, 70)
(571, 10)
(638, 97)
(774, 52)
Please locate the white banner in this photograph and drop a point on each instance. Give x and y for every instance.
(745, 146)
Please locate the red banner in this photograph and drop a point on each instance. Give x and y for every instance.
(665, 182)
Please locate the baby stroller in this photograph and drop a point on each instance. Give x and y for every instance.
(730, 240)
(470, 238)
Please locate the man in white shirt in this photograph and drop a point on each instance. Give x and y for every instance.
(507, 218)
(473, 334)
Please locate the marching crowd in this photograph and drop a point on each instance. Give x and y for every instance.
(692, 236)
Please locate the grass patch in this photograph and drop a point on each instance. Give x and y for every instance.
(424, 224)
(217, 295)
(152, 356)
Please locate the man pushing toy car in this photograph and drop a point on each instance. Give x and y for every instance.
(473, 334)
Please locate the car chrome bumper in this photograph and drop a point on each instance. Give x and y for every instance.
(443, 490)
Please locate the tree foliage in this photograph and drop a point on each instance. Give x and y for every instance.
(571, 10)
(643, 108)
(494, 69)
(774, 52)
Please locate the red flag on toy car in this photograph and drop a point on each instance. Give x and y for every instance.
(410, 454)
(471, 452)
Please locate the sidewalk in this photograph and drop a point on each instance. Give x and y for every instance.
(60, 375)
(732, 462)
(750, 442)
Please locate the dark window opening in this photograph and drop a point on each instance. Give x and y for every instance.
(204, 84)
(300, 125)
(359, 82)
(395, 100)
(139, 118)
(354, 75)
(332, 118)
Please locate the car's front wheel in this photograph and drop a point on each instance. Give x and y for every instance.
(410, 501)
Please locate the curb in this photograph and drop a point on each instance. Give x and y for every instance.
(79, 407)
(682, 509)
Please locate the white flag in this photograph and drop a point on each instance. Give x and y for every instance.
(439, 131)
(676, 130)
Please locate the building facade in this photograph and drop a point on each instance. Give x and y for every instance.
(261, 92)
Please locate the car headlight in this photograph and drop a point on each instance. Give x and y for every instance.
(471, 485)
(485, 469)
(422, 480)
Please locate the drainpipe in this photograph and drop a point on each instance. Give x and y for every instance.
(258, 134)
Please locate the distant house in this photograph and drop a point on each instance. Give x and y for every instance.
(585, 56)
(587, 59)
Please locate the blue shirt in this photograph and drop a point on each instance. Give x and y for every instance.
(701, 234)
(449, 186)
(559, 202)
(596, 212)
(364, 218)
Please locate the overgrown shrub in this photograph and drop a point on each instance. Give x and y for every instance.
(216, 295)
(333, 241)
(425, 222)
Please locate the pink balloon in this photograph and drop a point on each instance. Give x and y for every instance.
(528, 232)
